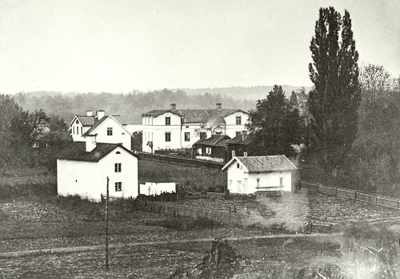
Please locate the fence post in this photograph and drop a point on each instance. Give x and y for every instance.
(336, 192)
(376, 200)
(355, 195)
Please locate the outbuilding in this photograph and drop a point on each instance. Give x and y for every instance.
(84, 167)
(254, 174)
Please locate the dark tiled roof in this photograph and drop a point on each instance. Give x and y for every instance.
(196, 115)
(97, 124)
(239, 139)
(264, 163)
(86, 120)
(157, 112)
(76, 151)
(216, 140)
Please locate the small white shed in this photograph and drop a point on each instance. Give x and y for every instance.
(83, 168)
(248, 175)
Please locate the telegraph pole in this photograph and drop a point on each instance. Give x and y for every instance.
(107, 267)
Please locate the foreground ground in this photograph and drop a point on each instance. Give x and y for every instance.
(39, 222)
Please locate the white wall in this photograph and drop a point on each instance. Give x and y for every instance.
(272, 179)
(235, 175)
(78, 178)
(120, 135)
(231, 127)
(155, 131)
(128, 175)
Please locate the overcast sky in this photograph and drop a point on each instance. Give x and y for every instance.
(118, 46)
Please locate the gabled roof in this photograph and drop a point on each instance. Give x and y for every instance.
(258, 164)
(196, 115)
(215, 140)
(76, 151)
(84, 120)
(100, 122)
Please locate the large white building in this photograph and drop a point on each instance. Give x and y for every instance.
(83, 169)
(175, 129)
(106, 128)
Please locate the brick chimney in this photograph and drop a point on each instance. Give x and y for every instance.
(89, 113)
(244, 133)
(100, 114)
(90, 142)
(219, 106)
(173, 107)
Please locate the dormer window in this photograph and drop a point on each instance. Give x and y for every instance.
(77, 122)
(109, 131)
(167, 121)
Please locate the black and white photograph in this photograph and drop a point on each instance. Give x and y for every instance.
(197, 139)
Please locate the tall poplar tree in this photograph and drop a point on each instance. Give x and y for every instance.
(336, 94)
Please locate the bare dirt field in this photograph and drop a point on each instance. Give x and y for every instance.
(39, 222)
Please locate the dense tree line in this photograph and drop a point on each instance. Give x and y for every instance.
(21, 130)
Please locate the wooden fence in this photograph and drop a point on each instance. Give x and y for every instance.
(174, 210)
(354, 195)
(181, 161)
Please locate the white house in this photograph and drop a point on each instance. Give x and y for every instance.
(248, 175)
(106, 127)
(175, 129)
(83, 169)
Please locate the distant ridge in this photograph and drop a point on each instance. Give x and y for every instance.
(240, 92)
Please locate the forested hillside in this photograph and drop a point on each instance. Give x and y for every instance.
(129, 106)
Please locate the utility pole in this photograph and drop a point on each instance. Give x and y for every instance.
(107, 267)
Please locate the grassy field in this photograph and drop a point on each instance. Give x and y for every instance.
(191, 178)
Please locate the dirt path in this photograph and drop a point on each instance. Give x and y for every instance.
(115, 246)
(291, 209)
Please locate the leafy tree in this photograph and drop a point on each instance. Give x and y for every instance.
(10, 112)
(336, 94)
(275, 125)
(376, 146)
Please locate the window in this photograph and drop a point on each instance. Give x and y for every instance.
(203, 135)
(167, 120)
(208, 150)
(258, 182)
(199, 151)
(117, 167)
(109, 131)
(118, 186)
(117, 152)
(238, 120)
(77, 121)
(168, 136)
(35, 144)
(187, 136)
(238, 165)
(238, 133)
